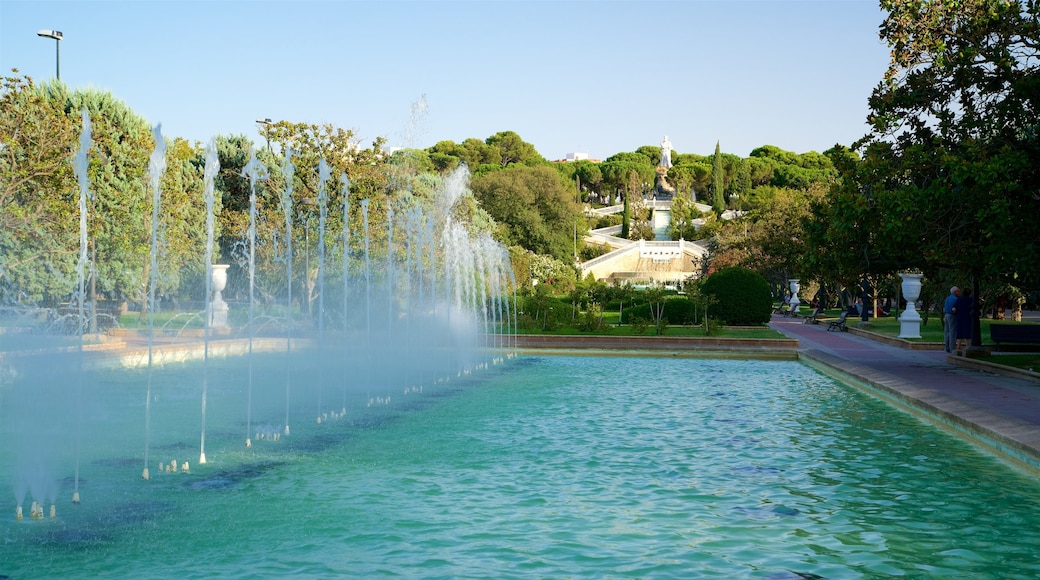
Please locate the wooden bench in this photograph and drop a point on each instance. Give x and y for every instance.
(1014, 333)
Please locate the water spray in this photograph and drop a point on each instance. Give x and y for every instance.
(287, 207)
(79, 164)
(156, 167)
(254, 171)
(324, 173)
(209, 174)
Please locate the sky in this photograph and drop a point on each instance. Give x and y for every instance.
(595, 77)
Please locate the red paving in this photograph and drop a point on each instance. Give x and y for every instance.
(999, 413)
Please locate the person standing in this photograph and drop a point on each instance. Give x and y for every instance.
(950, 319)
(965, 309)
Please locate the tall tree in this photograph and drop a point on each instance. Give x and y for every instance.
(952, 160)
(534, 207)
(512, 148)
(120, 224)
(718, 201)
(370, 178)
(651, 152)
(183, 222)
(620, 173)
(626, 218)
(37, 223)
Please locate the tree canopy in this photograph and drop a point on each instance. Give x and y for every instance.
(534, 207)
(948, 178)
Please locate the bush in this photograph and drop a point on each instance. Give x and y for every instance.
(741, 297)
(592, 319)
(605, 221)
(543, 311)
(640, 325)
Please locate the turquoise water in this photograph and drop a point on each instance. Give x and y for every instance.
(545, 467)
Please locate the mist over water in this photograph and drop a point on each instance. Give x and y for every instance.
(400, 316)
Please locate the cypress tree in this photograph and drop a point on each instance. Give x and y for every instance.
(718, 202)
(625, 217)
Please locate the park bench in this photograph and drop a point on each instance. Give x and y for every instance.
(815, 317)
(1014, 333)
(839, 324)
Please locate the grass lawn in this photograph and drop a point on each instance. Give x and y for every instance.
(163, 320)
(930, 332)
(1028, 361)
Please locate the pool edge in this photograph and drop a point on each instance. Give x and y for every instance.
(995, 438)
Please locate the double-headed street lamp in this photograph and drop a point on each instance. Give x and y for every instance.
(266, 122)
(56, 35)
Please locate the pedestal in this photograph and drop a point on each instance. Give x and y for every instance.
(910, 320)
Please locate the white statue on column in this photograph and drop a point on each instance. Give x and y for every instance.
(795, 301)
(910, 320)
(218, 311)
(666, 153)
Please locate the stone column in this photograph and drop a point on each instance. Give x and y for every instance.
(218, 311)
(910, 320)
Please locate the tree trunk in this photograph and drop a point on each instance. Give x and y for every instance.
(976, 324)
(144, 290)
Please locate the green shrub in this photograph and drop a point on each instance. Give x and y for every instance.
(741, 297)
(543, 311)
(640, 325)
(605, 221)
(592, 319)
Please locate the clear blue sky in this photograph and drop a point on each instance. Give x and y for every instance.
(581, 76)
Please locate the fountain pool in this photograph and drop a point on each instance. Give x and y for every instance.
(542, 467)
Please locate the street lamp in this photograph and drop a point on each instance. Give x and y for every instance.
(56, 35)
(266, 122)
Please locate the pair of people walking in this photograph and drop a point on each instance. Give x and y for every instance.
(957, 319)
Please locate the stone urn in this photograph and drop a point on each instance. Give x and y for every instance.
(218, 310)
(795, 287)
(910, 319)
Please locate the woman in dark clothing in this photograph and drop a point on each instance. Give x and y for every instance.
(965, 310)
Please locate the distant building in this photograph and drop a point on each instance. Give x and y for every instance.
(578, 156)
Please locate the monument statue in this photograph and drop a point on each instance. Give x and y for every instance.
(666, 153)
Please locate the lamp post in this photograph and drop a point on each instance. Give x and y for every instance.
(56, 35)
(266, 122)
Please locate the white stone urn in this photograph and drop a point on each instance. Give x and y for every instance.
(218, 311)
(794, 295)
(910, 320)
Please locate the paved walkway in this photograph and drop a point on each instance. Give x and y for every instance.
(998, 413)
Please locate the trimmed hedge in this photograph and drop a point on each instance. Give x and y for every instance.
(742, 297)
(677, 310)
